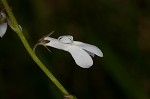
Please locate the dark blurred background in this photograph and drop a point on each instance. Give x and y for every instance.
(120, 28)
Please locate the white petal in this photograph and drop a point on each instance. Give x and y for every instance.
(66, 39)
(3, 28)
(82, 58)
(56, 43)
(91, 48)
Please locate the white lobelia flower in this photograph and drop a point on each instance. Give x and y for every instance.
(4, 21)
(3, 24)
(80, 51)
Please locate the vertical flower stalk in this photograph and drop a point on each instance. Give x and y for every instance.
(15, 26)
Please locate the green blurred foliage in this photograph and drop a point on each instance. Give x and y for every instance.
(120, 28)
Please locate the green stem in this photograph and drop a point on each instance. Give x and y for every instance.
(17, 29)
